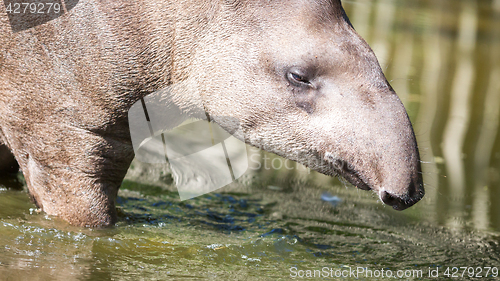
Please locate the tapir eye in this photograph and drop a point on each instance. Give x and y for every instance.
(298, 78)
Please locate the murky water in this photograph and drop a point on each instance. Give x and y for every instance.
(443, 59)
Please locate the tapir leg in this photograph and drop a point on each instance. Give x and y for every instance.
(8, 163)
(74, 173)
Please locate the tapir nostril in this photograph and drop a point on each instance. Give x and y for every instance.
(416, 192)
(392, 200)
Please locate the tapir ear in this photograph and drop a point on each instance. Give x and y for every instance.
(328, 10)
(344, 16)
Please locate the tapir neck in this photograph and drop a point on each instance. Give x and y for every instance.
(159, 39)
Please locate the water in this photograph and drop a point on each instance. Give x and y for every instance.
(443, 59)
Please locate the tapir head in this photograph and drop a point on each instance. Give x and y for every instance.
(304, 85)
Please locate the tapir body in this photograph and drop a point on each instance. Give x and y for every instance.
(298, 78)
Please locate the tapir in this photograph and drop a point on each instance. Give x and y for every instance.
(295, 74)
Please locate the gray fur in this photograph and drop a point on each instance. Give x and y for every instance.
(66, 87)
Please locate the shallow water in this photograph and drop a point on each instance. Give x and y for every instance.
(443, 59)
(234, 236)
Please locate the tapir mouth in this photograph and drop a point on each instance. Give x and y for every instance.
(346, 170)
(352, 175)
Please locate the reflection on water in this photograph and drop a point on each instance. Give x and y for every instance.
(443, 59)
(232, 237)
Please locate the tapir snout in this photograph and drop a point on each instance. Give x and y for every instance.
(365, 137)
(379, 153)
(372, 143)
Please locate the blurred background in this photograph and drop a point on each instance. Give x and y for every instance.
(443, 59)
